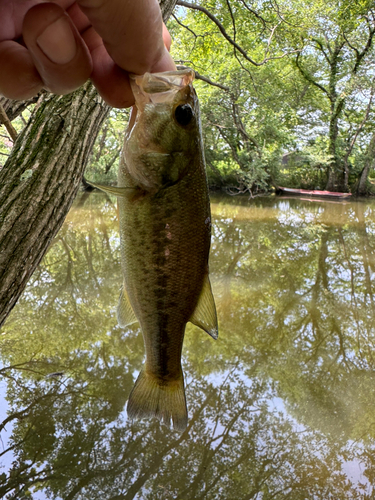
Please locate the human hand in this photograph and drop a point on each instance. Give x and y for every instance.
(59, 45)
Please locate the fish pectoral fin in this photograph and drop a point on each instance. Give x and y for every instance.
(204, 315)
(151, 397)
(125, 313)
(122, 192)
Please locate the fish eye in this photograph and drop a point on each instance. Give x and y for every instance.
(183, 114)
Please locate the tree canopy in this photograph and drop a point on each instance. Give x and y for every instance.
(292, 92)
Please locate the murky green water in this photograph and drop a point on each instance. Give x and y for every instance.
(282, 406)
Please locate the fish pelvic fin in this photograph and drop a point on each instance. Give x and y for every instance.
(153, 397)
(121, 192)
(204, 314)
(125, 313)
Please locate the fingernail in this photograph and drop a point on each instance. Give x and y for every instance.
(57, 42)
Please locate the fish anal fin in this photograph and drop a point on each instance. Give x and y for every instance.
(204, 314)
(125, 313)
(152, 397)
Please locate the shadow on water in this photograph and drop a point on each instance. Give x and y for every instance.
(281, 406)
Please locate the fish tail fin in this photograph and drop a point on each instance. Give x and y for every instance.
(152, 397)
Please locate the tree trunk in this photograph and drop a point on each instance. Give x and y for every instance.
(362, 187)
(336, 175)
(39, 182)
(167, 7)
(334, 170)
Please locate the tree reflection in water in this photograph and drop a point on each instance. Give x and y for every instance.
(281, 406)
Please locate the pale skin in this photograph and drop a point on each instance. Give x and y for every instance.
(59, 45)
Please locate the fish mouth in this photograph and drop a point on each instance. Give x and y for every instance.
(154, 88)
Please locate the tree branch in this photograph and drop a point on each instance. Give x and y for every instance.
(204, 78)
(15, 108)
(233, 21)
(277, 8)
(184, 26)
(320, 45)
(241, 128)
(255, 14)
(5, 120)
(207, 80)
(309, 78)
(226, 36)
(270, 37)
(361, 55)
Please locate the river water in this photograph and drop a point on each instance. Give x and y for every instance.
(281, 406)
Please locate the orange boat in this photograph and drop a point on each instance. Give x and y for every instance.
(312, 192)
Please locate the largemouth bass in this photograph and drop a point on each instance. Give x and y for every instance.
(165, 230)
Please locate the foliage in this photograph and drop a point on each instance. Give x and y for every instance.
(287, 76)
(104, 162)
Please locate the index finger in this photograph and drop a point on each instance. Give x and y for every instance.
(20, 79)
(132, 33)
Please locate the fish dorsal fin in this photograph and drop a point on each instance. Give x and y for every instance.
(125, 313)
(121, 192)
(204, 315)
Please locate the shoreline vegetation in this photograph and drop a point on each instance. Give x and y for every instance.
(286, 97)
(233, 184)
